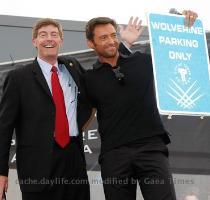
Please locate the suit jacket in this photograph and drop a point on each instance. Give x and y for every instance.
(27, 106)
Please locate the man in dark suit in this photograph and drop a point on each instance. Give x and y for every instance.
(45, 103)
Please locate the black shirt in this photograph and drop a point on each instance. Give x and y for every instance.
(126, 111)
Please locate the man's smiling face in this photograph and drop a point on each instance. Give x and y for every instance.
(48, 42)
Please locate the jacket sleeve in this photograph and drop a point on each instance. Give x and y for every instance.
(124, 50)
(85, 104)
(8, 115)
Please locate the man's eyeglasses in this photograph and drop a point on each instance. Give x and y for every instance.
(119, 75)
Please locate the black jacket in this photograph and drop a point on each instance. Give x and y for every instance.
(27, 106)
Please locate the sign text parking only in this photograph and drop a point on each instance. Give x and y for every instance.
(181, 65)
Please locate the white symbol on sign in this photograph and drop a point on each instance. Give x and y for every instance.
(182, 74)
(185, 98)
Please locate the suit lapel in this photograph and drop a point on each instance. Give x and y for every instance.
(70, 66)
(40, 78)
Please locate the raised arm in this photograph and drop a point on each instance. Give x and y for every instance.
(131, 32)
(190, 17)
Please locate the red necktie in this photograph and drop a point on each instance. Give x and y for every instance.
(61, 121)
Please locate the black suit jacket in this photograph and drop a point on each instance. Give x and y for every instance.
(27, 106)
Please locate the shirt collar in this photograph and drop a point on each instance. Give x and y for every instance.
(98, 64)
(46, 67)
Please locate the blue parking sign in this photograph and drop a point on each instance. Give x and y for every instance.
(181, 65)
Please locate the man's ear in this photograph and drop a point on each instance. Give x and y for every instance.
(61, 43)
(90, 44)
(34, 42)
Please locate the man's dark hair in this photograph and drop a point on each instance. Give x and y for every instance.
(91, 24)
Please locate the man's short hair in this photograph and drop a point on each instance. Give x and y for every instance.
(46, 22)
(91, 24)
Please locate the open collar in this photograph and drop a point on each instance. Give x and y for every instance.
(98, 64)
